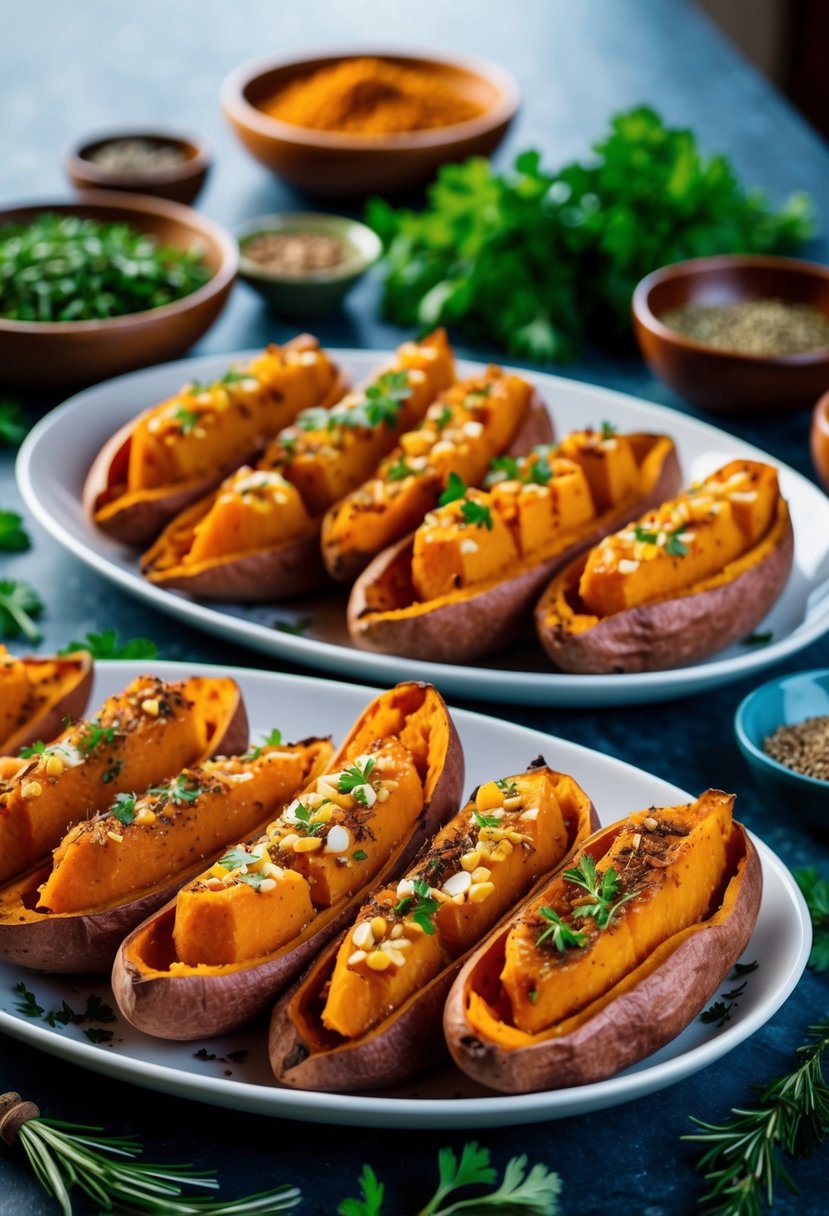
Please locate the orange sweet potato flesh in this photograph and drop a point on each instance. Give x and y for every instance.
(37, 694)
(104, 861)
(671, 861)
(196, 435)
(321, 856)
(148, 732)
(683, 542)
(469, 424)
(536, 836)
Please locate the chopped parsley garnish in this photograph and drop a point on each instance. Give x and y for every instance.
(36, 749)
(304, 820)
(233, 375)
(178, 791)
(188, 420)
(63, 1016)
(273, 739)
(385, 398)
(508, 788)
(477, 514)
(485, 821)
(420, 906)
(604, 892)
(314, 419)
(503, 468)
(19, 603)
(96, 1035)
(360, 855)
(27, 1005)
(105, 645)
(443, 418)
(13, 536)
(400, 470)
(123, 808)
(236, 858)
(562, 935)
(674, 547)
(609, 429)
(455, 490)
(112, 771)
(539, 471)
(94, 735)
(353, 777)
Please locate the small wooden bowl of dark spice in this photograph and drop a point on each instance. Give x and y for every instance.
(782, 729)
(163, 164)
(737, 334)
(303, 264)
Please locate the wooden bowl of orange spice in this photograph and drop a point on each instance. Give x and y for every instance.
(349, 125)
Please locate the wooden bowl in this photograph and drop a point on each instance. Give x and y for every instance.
(721, 381)
(330, 164)
(182, 183)
(819, 440)
(80, 352)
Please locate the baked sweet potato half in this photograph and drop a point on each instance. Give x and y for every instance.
(257, 537)
(140, 736)
(686, 580)
(493, 414)
(111, 871)
(38, 694)
(463, 585)
(615, 957)
(173, 453)
(236, 936)
(369, 1011)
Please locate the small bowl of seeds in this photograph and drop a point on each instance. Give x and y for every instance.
(302, 263)
(163, 164)
(782, 730)
(737, 334)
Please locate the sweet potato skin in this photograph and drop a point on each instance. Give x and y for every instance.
(477, 623)
(71, 702)
(408, 1042)
(668, 633)
(194, 1003)
(627, 1027)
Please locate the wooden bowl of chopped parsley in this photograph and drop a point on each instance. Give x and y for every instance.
(737, 334)
(105, 285)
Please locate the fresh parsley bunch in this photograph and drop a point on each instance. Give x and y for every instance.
(533, 261)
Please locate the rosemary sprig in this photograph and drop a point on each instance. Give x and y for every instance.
(743, 1157)
(535, 1193)
(65, 1156)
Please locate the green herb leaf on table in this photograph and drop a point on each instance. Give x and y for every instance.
(13, 424)
(815, 891)
(19, 605)
(743, 1158)
(105, 645)
(13, 536)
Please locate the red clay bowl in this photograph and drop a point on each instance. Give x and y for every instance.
(182, 183)
(819, 440)
(721, 381)
(334, 165)
(80, 352)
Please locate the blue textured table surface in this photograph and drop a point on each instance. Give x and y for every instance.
(67, 69)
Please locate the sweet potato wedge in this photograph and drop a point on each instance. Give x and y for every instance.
(109, 873)
(173, 453)
(38, 693)
(347, 1025)
(615, 956)
(257, 537)
(144, 734)
(685, 581)
(271, 931)
(489, 415)
(464, 584)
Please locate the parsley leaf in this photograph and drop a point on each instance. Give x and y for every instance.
(13, 425)
(352, 777)
(272, 739)
(93, 735)
(455, 490)
(385, 398)
(420, 905)
(236, 858)
(609, 429)
(36, 749)
(188, 420)
(235, 375)
(674, 547)
(19, 603)
(816, 893)
(563, 936)
(105, 645)
(123, 808)
(604, 892)
(508, 788)
(372, 1191)
(400, 470)
(477, 514)
(313, 419)
(360, 855)
(27, 1005)
(485, 821)
(13, 536)
(96, 1035)
(502, 468)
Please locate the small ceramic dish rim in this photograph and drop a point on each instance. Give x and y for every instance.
(234, 101)
(74, 154)
(130, 201)
(642, 309)
(285, 221)
(748, 745)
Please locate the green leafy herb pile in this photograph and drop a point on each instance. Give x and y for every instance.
(63, 268)
(534, 260)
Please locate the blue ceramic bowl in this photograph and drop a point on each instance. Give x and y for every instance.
(780, 702)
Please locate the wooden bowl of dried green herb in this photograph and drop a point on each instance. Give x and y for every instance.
(105, 285)
(737, 334)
